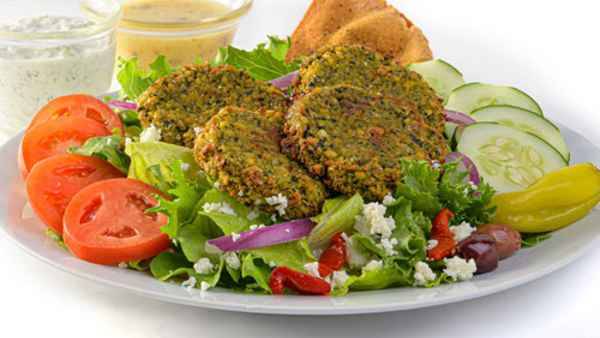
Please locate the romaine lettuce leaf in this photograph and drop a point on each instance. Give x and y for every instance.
(169, 265)
(134, 80)
(108, 148)
(339, 215)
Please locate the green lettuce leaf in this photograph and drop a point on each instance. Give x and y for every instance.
(258, 271)
(151, 163)
(531, 240)
(265, 62)
(419, 185)
(108, 148)
(134, 80)
(168, 265)
(339, 215)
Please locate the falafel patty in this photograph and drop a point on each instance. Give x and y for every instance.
(181, 103)
(354, 139)
(361, 67)
(241, 150)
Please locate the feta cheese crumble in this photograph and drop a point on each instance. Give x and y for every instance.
(462, 231)
(431, 244)
(312, 269)
(423, 274)
(203, 266)
(189, 283)
(198, 130)
(388, 245)
(150, 134)
(280, 203)
(339, 278)
(128, 141)
(185, 166)
(373, 266)
(223, 208)
(232, 260)
(372, 221)
(252, 215)
(235, 236)
(459, 269)
(388, 200)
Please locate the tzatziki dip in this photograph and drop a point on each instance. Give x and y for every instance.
(37, 70)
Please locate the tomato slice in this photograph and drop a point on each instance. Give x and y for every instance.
(106, 222)
(82, 106)
(54, 181)
(56, 137)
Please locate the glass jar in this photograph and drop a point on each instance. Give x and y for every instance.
(50, 49)
(184, 31)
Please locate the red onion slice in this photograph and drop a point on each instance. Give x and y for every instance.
(458, 118)
(266, 236)
(284, 81)
(123, 105)
(468, 165)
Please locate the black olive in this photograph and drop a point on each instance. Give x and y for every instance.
(482, 248)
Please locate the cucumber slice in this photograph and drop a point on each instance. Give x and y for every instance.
(472, 96)
(524, 120)
(440, 75)
(507, 158)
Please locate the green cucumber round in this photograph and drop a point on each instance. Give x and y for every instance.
(472, 96)
(507, 158)
(524, 120)
(440, 75)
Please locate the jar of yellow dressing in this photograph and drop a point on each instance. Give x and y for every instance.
(184, 31)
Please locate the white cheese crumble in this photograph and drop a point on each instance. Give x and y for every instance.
(280, 203)
(150, 134)
(128, 141)
(123, 265)
(185, 166)
(388, 200)
(223, 208)
(232, 260)
(257, 226)
(459, 269)
(252, 215)
(339, 278)
(373, 266)
(436, 164)
(312, 269)
(423, 274)
(235, 236)
(462, 231)
(388, 245)
(372, 221)
(204, 286)
(198, 130)
(203, 266)
(189, 283)
(272, 264)
(240, 193)
(274, 218)
(431, 244)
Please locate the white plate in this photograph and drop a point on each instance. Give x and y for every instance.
(527, 265)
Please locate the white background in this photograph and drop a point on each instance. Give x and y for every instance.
(547, 48)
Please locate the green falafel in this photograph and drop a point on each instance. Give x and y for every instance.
(240, 149)
(181, 103)
(361, 67)
(354, 139)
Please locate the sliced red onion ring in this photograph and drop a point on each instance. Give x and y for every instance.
(123, 105)
(266, 236)
(284, 81)
(458, 118)
(468, 164)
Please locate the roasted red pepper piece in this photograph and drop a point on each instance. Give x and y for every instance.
(282, 277)
(440, 231)
(334, 257)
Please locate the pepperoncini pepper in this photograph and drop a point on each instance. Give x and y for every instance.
(558, 199)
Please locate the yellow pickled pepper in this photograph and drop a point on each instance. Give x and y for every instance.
(558, 199)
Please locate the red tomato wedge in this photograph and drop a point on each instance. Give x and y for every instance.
(106, 222)
(56, 137)
(54, 181)
(81, 106)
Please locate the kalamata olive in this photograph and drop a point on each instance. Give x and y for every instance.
(508, 240)
(482, 248)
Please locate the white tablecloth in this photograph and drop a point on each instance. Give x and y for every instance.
(549, 49)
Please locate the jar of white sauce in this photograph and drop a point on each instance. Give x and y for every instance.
(49, 49)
